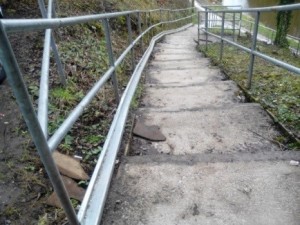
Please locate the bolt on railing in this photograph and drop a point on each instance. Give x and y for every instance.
(92, 206)
(253, 51)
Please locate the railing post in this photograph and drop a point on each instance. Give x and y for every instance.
(222, 35)
(111, 56)
(60, 69)
(252, 56)
(17, 84)
(44, 81)
(140, 30)
(160, 15)
(128, 20)
(240, 23)
(206, 28)
(272, 35)
(150, 24)
(199, 27)
(233, 27)
(298, 47)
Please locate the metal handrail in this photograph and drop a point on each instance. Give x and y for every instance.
(93, 202)
(253, 52)
(243, 20)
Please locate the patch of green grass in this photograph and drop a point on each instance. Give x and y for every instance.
(275, 88)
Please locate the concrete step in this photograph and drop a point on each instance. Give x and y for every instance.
(179, 64)
(183, 77)
(191, 96)
(175, 56)
(234, 128)
(181, 193)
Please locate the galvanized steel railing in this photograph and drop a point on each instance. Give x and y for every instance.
(236, 21)
(93, 203)
(253, 52)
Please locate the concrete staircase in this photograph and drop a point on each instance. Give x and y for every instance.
(217, 165)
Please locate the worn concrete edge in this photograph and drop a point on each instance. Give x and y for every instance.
(264, 156)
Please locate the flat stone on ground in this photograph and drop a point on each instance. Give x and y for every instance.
(151, 133)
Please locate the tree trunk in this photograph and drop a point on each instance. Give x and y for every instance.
(283, 24)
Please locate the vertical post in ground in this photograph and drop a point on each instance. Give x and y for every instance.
(233, 27)
(240, 23)
(140, 30)
(198, 27)
(206, 28)
(111, 56)
(128, 19)
(252, 56)
(222, 36)
(60, 69)
(150, 24)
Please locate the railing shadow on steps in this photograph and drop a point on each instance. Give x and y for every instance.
(91, 209)
(219, 18)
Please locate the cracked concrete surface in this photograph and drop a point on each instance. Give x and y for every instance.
(218, 164)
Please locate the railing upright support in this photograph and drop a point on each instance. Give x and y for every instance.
(240, 23)
(206, 28)
(252, 56)
(198, 27)
(60, 68)
(222, 35)
(44, 81)
(128, 19)
(140, 30)
(160, 15)
(298, 47)
(15, 79)
(150, 24)
(233, 27)
(111, 56)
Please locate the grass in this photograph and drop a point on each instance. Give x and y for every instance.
(275, 88)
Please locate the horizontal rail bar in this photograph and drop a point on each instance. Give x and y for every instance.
(66, 126)
(163, 9)
(208, 6)
(256, 53)
(264, 9)
(93, 203)
(271, 29)
(60, 133)
(22, 25)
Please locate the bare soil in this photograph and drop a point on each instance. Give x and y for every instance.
(23, 183)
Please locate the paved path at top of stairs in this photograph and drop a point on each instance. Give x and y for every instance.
(217, 165)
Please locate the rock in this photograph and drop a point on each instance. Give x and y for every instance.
(151, 133)
(69, 166)
(73, 190)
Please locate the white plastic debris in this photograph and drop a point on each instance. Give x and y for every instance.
(294, 163)
(78, 157)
